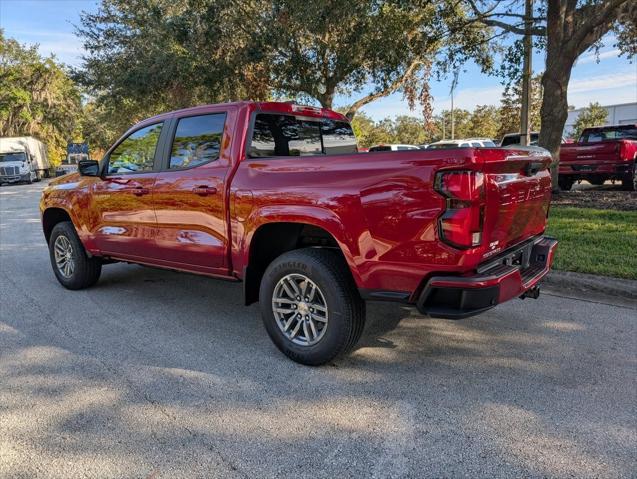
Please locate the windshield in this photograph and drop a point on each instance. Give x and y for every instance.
(16, 156)
(628, 132)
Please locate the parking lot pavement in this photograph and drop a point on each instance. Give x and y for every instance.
(160, 374)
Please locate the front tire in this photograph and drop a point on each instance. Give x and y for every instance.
(71, 265)
(310, 306)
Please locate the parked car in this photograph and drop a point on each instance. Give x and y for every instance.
(251, 192)
(75, 152)
(516, 139)
(395, 147)
(464, 143)
(600, 154)
(23, 159)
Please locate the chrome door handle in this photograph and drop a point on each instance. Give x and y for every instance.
(140, 190)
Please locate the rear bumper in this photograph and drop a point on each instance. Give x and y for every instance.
(457, 297)
(586, 169)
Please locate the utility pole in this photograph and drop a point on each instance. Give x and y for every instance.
(453, 123)
(453, 87)
(525, 127)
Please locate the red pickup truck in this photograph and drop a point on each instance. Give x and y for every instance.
(600, 154)
(277, 196)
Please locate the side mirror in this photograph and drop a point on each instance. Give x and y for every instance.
(88, 168)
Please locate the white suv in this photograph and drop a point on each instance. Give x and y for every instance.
(464, 143)
(394, 147)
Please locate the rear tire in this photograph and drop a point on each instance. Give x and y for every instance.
(597, 180)
(323, 282)
(565, 182)
(629, 182)
(71, 265)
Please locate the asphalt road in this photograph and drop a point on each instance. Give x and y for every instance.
(159, 374)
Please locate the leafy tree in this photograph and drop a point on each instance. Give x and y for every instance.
(511, 107)
(442, 125)
(320, 49)
(148, 56)
(145, 56)
(101, 125)
(409, 130)
(564, 29)
(594, 115)
(370, 133)
(484, 122)
(37, 98)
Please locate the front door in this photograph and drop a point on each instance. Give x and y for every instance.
(125, 219)
(189, 196)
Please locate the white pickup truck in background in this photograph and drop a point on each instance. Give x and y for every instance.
(23, 159)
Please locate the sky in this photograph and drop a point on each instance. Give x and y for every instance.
(612, 80)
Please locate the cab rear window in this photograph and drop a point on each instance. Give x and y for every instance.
(627, 132)
(287, 135)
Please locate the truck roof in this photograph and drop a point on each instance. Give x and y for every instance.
(263, 106)
(626, 126)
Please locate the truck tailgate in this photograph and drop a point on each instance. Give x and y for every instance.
(518, 195)
(589, 156)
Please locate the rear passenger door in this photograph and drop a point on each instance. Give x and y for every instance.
(189, 195)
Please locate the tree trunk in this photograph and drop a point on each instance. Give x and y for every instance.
(326, 99)
(557, 73)
(554, 112)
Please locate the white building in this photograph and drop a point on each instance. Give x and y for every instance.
(621, 114)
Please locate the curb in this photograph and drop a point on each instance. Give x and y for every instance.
(626, 288)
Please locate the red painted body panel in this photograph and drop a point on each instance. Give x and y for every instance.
(609, 158)
(381, 208)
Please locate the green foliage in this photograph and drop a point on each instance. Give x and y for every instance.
(146, 56)
(511, 107)
(37, 98)
(593, 115)
(595, 241)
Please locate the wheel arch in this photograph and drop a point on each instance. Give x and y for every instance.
(52, 216)
(273, 237)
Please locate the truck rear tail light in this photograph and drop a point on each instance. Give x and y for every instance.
(462, 221)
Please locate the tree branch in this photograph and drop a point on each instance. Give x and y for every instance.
(594, 21)
(487, 19)
(395, 85)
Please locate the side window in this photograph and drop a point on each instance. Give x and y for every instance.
(137, 152)
(197, 140)
(338, 137)
(477, 144)
(284, 135)
(594, 137)
(510, 140)
(287, 135)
